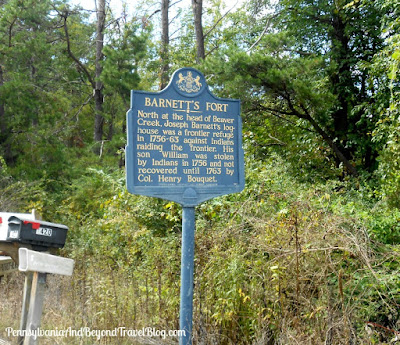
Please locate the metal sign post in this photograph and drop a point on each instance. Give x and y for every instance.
(187, 268)
(184, 145)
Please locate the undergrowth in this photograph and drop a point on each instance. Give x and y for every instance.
(283, 262)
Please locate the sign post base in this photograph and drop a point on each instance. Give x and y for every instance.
(187, 267)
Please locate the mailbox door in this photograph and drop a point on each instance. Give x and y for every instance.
(4, 217)
(14, 229)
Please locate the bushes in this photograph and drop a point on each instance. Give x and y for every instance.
(282, 262)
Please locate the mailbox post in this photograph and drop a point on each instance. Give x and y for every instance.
(38, 265)
(25, 304)
(32, 310)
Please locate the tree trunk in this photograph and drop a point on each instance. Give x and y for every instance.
(35, 115)
(4, 127)
(164, 44)
(197, 7)
(98, 117)
(3, 123)
(342, 83)
(98, 92)
(338, 152)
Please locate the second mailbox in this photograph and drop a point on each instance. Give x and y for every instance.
(41, 235)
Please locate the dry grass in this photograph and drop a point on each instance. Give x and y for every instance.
(302, 276)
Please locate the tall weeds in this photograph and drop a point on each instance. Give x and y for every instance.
(280, 263)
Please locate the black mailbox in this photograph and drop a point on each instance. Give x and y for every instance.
(41, 235)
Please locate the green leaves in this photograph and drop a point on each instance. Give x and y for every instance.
(122, 59)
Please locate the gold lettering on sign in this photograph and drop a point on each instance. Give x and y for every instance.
(147, 130)
(192, 171)
(169, 179)
(202, 148)
(222, 119)
(224, 157)
(150, 123)
(216, 107)
(201, 179)
(152, 115)
(149, 147)
(175, 124)
(187, 142)
(223, 134)
(172, 154)
(173, 171)
(206, 126)
(143, 154)
(195, 141)
(163, 162)
(194, 117)
(199, 133)
(171, 103)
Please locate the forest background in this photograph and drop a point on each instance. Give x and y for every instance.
(308, 253)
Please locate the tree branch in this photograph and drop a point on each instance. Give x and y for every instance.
(73, 57)
(277, 112)
(151, 15)
(10, 32)
(278, 142)
(176, 2)
(217, 22)
(264, 32)
(322, 19)
(318, 129)
(351, 169)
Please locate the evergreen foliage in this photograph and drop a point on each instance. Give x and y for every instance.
(308, 253)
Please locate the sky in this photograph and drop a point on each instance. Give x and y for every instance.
(117, 5)
(148, 7)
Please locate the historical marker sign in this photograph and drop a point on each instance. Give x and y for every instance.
(184, 144)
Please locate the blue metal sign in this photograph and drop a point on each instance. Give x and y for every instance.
(184, 144)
